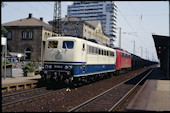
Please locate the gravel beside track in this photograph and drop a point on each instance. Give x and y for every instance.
(122, 107)
(65, 100)
(108, 100)
(10, 99)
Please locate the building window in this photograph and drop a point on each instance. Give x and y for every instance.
(30, 35)
(45, 36)
(27, 35)
(48, 34)
(24, 35)
(9, 35)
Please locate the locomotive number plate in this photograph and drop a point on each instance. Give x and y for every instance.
(58, 66)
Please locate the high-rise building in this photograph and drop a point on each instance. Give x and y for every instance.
(105, 11)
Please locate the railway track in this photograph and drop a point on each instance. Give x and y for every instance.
(63, 101)
(110, 99)
(25, 96)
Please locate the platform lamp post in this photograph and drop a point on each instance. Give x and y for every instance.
(4, 44)
(19, 56)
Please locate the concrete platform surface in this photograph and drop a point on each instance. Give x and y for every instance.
(158, 101)
(154, 95)
(19, 79)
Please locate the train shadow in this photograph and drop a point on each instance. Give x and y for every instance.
(156, 74)
(51, 85)
(56, 85)
(137, 78)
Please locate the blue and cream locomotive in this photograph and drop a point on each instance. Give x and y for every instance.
(71, 58)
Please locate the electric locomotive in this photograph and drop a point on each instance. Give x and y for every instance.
(123, 61)
(71, 58)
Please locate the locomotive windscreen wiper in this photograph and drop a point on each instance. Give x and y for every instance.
(66, 46)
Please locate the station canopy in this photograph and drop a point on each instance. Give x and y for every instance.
(161, 44)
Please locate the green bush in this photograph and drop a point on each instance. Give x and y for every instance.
(37, 72)
(28, 68)
(7, 61)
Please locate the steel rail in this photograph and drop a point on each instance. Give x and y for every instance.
(101, 94)
(127, 94)
(22, 92)
(31, 98)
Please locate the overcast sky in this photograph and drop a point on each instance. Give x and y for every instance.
(138, 20)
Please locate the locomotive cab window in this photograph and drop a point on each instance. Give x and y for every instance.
(52, 44)
(68, 44)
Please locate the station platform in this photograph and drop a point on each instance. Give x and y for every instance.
(154, 95)
(19, 79)
(19, 82)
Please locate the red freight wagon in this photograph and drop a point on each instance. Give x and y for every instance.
(123, 60)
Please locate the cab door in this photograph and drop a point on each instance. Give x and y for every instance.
(84, 55)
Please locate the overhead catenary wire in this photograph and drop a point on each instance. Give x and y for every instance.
(140, 17)
(125, 19)
(127, 22)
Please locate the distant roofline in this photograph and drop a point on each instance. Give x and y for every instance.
(39, 21)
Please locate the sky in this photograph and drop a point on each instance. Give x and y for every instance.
(138, 21)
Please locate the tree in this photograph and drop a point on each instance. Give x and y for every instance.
(3, 30)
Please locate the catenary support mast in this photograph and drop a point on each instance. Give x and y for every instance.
(56, 19)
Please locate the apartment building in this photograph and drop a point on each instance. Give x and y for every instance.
(104, 11)
(89, 29)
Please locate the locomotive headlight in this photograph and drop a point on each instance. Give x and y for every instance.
(66, 67)
(70, 67)
(50, 66)
(46, 66)
(55, 73)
